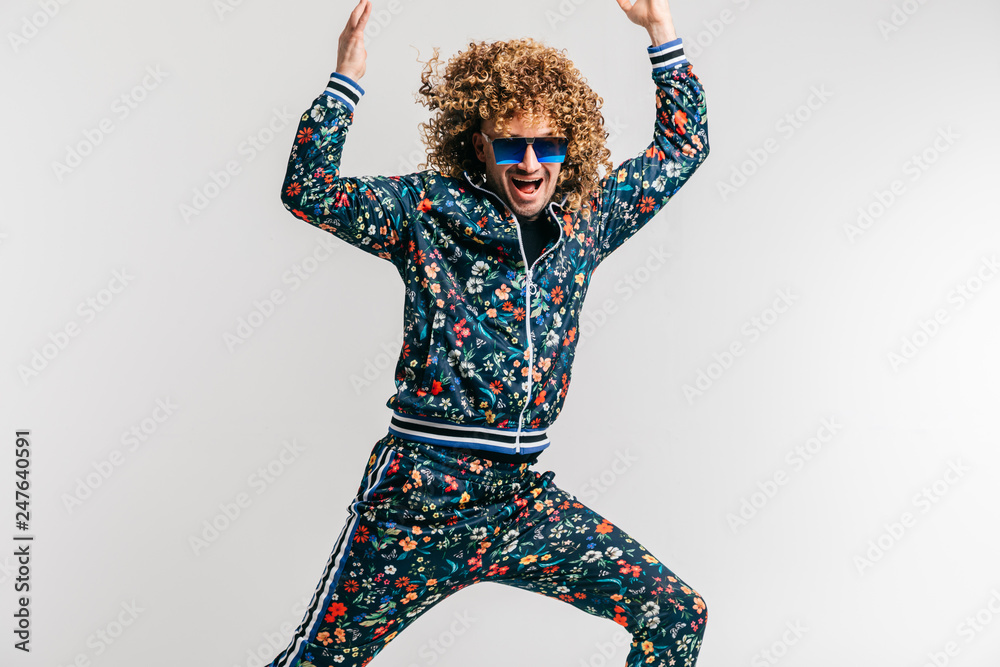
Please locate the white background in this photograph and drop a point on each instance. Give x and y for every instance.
(784, 225)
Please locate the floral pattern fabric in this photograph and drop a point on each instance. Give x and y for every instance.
(489, 341)
(428, 521)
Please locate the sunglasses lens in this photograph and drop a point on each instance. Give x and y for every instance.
(549, 149)
(510, 150)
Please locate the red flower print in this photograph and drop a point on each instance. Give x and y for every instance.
(646, 205)
(336, 609)
(461, 331)
(304, 135)
(293, 188)
(301, 214)
(424, 205)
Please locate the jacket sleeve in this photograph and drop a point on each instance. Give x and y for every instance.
(638, 188)
(368, 212)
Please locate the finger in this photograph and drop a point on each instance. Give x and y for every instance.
(364, 16)
(626, 5)
(352, 21)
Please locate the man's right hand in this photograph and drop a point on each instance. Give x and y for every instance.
(351, 48)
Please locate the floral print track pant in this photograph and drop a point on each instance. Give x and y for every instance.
(430, 520)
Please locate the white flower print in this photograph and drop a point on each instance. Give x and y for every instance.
(479, 268)
(474, 285)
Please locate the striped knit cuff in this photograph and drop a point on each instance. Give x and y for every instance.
(345, 89)
(667, 55)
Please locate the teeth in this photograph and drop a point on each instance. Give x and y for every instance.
(536, 183)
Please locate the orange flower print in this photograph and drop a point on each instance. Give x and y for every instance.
(557, 295)
(604, 527)
(293, 188)
(424, 205)
(680, 119)
(646, 205)
(304, 135)
(527, 560)
(407, 544)
(503, 292)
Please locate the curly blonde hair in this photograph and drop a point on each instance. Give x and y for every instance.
(499, 80)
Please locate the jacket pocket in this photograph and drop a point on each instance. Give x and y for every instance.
(428, 372)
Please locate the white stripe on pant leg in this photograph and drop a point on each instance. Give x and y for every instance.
(336, 558)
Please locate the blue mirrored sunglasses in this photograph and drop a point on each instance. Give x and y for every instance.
(511, 150)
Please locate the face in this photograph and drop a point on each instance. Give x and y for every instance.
(525, 187)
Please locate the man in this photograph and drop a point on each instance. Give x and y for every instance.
(496, 246)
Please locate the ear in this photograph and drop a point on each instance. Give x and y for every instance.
(479, 144)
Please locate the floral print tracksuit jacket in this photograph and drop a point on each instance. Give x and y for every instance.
(488, 341)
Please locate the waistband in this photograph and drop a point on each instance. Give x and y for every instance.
(438, 431)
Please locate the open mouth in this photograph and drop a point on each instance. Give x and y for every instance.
(526, 187)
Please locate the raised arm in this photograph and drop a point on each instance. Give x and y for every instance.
(368, 212)
(638, 188)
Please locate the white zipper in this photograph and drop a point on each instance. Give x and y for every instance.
(527, 304)
(527, 328)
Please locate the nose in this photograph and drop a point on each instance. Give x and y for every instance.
(528, 163)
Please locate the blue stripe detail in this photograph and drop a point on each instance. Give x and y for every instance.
(348, 80)
(423, 437)
(667, 55)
